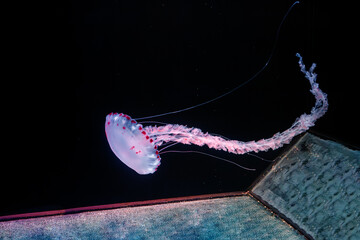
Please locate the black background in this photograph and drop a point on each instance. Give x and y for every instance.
(74, 63)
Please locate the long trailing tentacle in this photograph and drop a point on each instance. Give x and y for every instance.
(186, 135)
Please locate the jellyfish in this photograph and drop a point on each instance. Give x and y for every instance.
(138, 146)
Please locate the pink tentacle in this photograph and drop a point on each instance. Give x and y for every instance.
(185, 135)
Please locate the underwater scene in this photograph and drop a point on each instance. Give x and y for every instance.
(184, 120)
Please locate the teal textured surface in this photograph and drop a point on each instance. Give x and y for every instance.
(317, 186)
(222, 218)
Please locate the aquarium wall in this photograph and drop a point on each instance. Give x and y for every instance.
(316, 185)
(240, 217)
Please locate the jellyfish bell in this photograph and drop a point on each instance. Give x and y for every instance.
(131, 144)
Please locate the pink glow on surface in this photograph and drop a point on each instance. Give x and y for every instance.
(136, 145)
